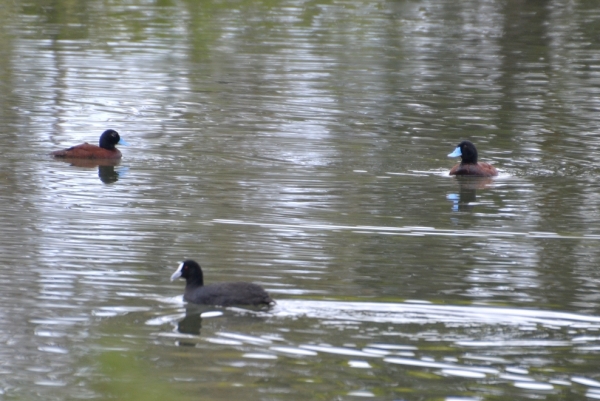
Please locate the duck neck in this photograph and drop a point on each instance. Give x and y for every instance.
(195, 280)
(106, 144)
(469, 157)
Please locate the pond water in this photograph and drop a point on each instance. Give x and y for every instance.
(301, 145)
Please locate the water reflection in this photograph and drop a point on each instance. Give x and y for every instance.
(192, 322)
(467, 195)
(194, 314)
(488, 347)
(106, 167)
(108, 174)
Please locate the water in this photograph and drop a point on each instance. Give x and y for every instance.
(301, 146)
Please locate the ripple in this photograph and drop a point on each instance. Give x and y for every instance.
(463, 373)
(440, 365)
(256, 355)
(51, 383)
(337, 350)
(423, 313)
(585, 381)
(53, 349)
(359, 364)
(244, 338)
(410, 230)
(294, 351)
(361, 393)
(534, 386)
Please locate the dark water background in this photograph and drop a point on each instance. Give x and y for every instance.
(301, 145)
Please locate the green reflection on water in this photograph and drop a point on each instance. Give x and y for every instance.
(129, 377)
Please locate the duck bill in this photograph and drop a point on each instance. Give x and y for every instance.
(177, 273)
(123, 142)
(456, 152)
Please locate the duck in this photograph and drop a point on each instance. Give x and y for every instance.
(106, 150)
(469, 164)
(221, 294)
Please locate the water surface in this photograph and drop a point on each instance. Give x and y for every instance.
(302, 146)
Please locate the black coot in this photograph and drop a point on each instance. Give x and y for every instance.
(224, 294)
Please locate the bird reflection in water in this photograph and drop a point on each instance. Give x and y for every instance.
(106, 167)
(192, 322)
(466, 197)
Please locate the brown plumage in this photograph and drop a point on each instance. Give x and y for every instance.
(106, 150)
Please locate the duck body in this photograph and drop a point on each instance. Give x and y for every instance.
(223, 294)
(479, 169)
(88, 151)
(469, 166)
(106, 150)
(227, 294)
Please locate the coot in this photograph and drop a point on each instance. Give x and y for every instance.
(224, 294)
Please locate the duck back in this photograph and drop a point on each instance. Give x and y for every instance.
(479, 169)
(228, 293)
(88, 151)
